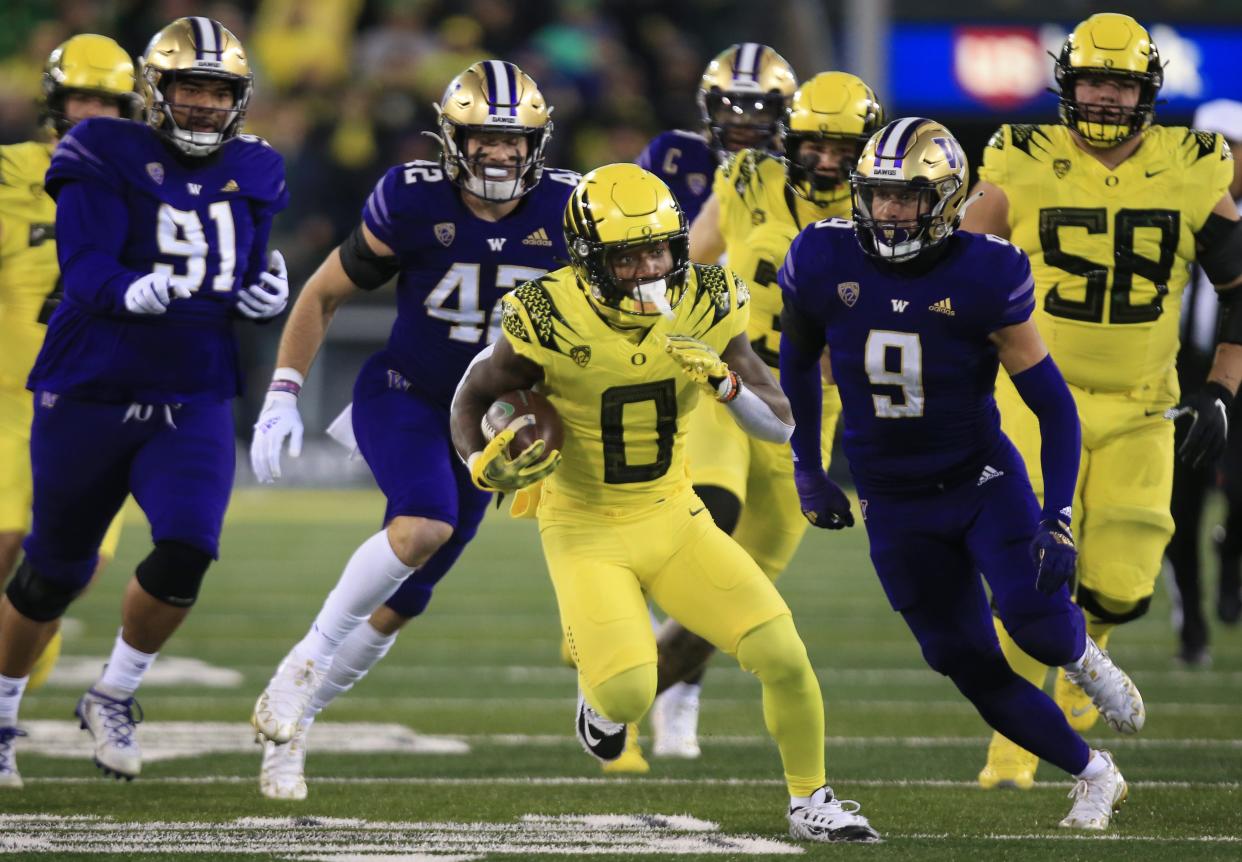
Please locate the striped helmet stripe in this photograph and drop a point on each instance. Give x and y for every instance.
(746, 62)
(893, 146)
(205, 38)
(500, 86)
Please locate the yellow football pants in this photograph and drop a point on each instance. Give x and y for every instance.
(601, 566)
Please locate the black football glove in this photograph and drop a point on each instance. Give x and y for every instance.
(1209, 429)
(1055, 555)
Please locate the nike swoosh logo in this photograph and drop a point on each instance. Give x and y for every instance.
(694, 512)
(1150, 174)
(1080, 712)
(587, 735)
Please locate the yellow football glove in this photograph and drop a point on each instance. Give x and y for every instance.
(700, 363)
(493, 469)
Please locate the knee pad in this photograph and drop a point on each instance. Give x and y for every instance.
(627, 696)
(173, 573)
(37, 598)
(774, 651)
(1104, 609)
(723, 505)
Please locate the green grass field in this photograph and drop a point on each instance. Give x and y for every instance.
(479, 674)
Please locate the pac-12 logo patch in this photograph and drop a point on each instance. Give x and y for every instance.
(446, 232)
(848, 291)
(581, 354)
(156, 172)
(697, 183)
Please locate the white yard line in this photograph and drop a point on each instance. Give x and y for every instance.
(612, 781)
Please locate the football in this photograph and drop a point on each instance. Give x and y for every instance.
(535, 416)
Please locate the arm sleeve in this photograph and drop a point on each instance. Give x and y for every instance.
(802, 343)
(1043, 389)
(91, 223)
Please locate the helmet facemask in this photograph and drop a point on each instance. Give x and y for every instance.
(492, 182)
(811, 184)
(901, 239)
(1101, 124)
(739, 120)
(226, 123)
(635, 302)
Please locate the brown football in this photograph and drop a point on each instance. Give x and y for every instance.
(544, 422)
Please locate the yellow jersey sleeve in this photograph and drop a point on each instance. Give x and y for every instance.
(994, 168)
(1209, 172)
(29, 271)
(757, 261)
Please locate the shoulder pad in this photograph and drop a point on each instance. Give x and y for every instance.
(1028, 138)
(713, 288)
(536, 300)
(420, 171)
(997, 141)
(836, 223)
(1198, 144)
(561, 176)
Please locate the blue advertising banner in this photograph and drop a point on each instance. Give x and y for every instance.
(967, 69)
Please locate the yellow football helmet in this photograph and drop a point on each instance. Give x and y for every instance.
(87, 63)
(1108, 44)
(194, 48)
(832, 106)
(498, 98)
(908, 188)
(743, 97)
(617, 210)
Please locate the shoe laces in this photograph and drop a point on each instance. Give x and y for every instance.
(119, 719)
(7, 735)
(1091, 794)
(285, 762)
(829, 807)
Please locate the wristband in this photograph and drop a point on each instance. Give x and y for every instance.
(286, 379)
(728, 388)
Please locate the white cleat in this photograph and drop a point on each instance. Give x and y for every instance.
(828, 819)
(279, 708)
(1110, 689)
(675, 722)
(1097, 799)
(283, 773)
(9, 776)
(113, 724)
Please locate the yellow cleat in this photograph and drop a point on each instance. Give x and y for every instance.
(631, 761)
(1079, 711)
(43, 665)
(1008, 766)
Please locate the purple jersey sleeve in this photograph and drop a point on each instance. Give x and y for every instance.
(81, 155)
(380, 212)
(91, 224)
(1016, 283)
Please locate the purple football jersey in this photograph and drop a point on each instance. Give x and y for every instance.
(686, 163)
(129, 205)
(456, 266)
(910, 353)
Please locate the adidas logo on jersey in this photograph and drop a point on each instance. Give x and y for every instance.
(537, 237)
(988, 474)
(944, 306)
(230, 186)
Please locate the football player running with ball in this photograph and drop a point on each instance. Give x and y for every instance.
(161, 232)
(456, 235)
(916, 317)
(622, 342)
(1112, 211)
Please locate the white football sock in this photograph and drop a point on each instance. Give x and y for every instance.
(124, 671)
(371, 576)
(357, 655)
(1094, 766)
(11, 689)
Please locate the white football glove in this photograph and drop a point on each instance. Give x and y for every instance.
(152, 293)
(268, 298)
(278, 419)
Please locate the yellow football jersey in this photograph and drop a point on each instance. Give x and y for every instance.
(1111, 250)
(759, 218)
(28, 267)
(622, 399)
